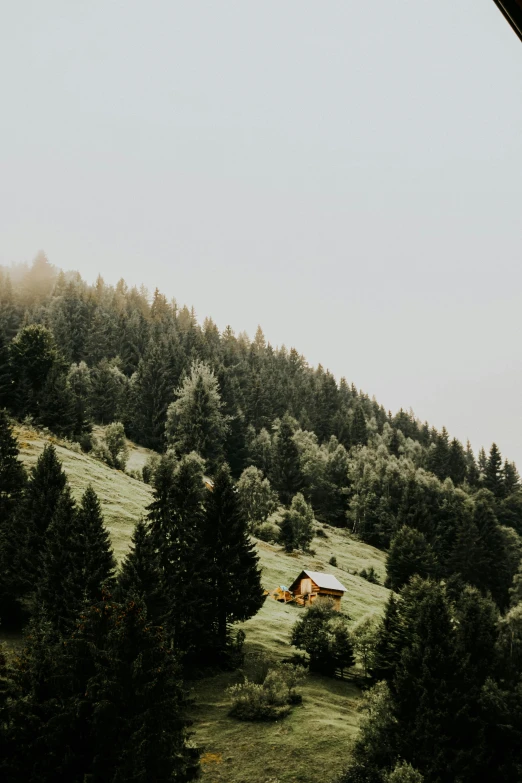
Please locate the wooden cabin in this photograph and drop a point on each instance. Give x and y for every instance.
(310, 585)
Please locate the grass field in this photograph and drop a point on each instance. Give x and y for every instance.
(313, 743)
(123, 498)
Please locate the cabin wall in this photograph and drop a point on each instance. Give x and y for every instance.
(306, 587)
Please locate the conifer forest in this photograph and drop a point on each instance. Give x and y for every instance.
(250, 454)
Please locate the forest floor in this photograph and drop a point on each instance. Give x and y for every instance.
(312, 744)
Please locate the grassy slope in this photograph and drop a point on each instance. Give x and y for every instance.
(312, 744)
(123, 498)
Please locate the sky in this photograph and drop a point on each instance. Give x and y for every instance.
(346, 174)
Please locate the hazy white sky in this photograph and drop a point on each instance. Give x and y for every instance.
(346, 174)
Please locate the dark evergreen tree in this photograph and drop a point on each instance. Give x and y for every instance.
(141, 577)
(70, 320)
(493, 476)
(482, 462)
(12, 484)
(176, 518)
(106, 704)
(327, 406)
(231, 563)
(358, 430)
(59, 596)
(10, 314)
(427, 688)
(79, 383)
(258, 403)
(56, 409)
(151, 393)
(409, 554)
(25, 547)
(389, 642)
(394, 443)
(472, 471)
(493, 572)
(466, 558)
(510, 479)
(108, 392)
(6, 381)
(439, 455)
(32, 355)
(12, 473)
(98, 563)
(457, 464)
(286, 476)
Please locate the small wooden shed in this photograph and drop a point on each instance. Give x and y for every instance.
(281, 593)
(312, 584)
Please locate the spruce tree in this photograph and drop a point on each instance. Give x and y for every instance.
(59, 596)
(389, 642)
(510, 478)
(427, 688)
(327, 407)
(56, 408)
(98, 565)
(457, 464)
(493, 572)
(141, 577)
(409, 554)
(493, 476)
(152, 392)
(472, 471)
(137, 728)
(80, 385)
(482, 462)
(6, 381)
(25, 546)
(104, 704)
(12, 484)
(231, 563)
(32, 355)
(12, 473)
(108, 386)
(466, 557)
(286, 475)
(176, 517)
(358, 429)
(439, 455)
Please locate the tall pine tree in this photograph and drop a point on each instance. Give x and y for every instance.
(231, 563)
(286, 475)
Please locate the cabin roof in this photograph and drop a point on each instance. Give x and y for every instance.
(326, 581)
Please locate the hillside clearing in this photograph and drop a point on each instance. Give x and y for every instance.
(313, 743)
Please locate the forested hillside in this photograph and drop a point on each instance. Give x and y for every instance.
(245, 440)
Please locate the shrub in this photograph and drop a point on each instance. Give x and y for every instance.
(86, 442)
(370, 575)
(270, 700)
(268, 531)
(404, 773)
(113, 449)
(333, 561)
(320, 533)
(150, 467)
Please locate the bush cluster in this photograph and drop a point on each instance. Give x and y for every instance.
(270, 700)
